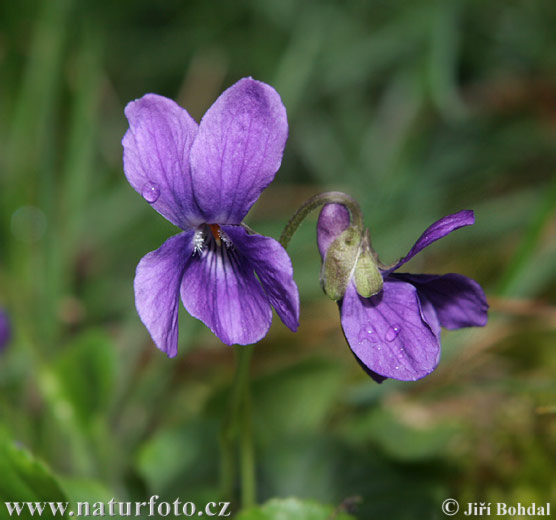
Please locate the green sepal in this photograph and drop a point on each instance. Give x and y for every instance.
(339, 262)
(367, 277)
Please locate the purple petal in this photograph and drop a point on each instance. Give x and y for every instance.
(5, 329)
(429, 314)
(220, 288)
(238, 150)
(388, 332)
(156, 157)
(274, 270)
(458, 301)
(157, 285)
(333, 219)
(435, 232)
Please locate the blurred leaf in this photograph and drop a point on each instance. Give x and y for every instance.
(87, 373)
(293, 509)
(178, 455)
(85, 490)
(24, 478)
(295, 399)
(399, 440)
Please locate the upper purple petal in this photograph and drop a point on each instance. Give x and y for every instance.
(157, 285)
(274, 270)
(238, 150)
(458, 301)
(388, 332)
(220, 288)
(333, 219)
(156, 157)
(436, 231)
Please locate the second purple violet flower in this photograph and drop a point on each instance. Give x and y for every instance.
(392, 320)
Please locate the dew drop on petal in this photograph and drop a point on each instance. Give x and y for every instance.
(150, 192)
(397, 368)
(367, 335)
(392, 332)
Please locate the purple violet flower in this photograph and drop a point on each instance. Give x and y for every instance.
(204, 178)
(5, 329)
(396, 333)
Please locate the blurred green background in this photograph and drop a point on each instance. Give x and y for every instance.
(416, 108)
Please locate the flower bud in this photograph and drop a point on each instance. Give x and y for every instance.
(367, 277)
(339, 263)
(347, 255)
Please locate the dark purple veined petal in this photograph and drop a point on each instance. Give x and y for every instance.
(429, 314)
(220, 288)
(388, 332)
(156, 157)
(238, 150)
(458, 301)
(435, 232)
(5, 329)
(157, 289)
(333, 219)
(274, 270)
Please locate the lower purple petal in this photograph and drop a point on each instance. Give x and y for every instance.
(388, 332)
(274, 269)
(458, 301)
(157, 285)
(219, 288)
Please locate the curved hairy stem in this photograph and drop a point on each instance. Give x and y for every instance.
(329, 197)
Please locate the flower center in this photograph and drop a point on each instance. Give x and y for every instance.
(216, 233)
(211, 236)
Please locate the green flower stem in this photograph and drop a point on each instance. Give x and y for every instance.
(238, 422)
(329, 197)
(247, 457)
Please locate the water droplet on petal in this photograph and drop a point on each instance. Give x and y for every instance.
(150, 192)
(379, 347)
(397, 368)
(372, 335)
(393, 332)
(367, 335)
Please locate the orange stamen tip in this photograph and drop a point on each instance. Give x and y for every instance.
(215, 230)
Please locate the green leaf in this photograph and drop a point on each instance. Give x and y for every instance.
(399, 440)
(179, 456)
(24, 478)
(294, 509)
(295, 399)
(87, 373)
(85, 490)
